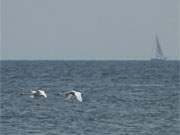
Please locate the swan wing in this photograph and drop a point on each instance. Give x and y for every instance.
(33, 91)
(78, 96)
(68, 96)
(42, 93)
(31, 96)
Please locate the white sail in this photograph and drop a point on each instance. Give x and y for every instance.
(158, 51)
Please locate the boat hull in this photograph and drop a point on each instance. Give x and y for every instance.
(158, 60)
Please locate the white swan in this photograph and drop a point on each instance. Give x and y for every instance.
(36, 93)
(75, 94)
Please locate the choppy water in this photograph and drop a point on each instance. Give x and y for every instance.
(120, 98)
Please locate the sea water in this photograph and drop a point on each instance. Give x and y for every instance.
(119, 98)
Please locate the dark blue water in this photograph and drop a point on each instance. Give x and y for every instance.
(120, 98)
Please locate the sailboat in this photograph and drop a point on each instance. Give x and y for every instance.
(159, 56)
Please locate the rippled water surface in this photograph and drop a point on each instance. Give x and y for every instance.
(120, 98)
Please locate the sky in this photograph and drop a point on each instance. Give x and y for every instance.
(88, 29)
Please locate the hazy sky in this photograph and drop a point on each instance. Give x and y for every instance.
(88, 29)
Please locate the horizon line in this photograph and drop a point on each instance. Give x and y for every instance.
(83, 60)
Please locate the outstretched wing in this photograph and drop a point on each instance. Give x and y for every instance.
(68, 95)
(78, 96)
(42, 93)
(31, 96)
(33, 91)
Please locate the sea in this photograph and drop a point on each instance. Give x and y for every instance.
(119, 98)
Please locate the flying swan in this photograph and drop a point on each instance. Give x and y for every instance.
(36, 93)
(75, 94)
